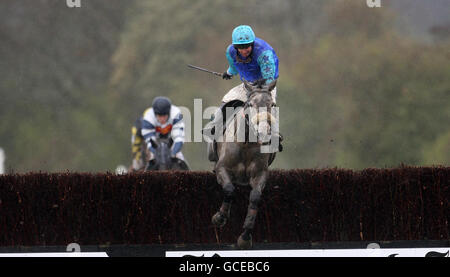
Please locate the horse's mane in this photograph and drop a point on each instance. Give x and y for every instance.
(259, 83)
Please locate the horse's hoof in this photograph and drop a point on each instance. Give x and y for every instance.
(244, 244)
(219, 219)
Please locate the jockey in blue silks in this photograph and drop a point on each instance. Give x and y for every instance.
(250, 57)
(253, 59)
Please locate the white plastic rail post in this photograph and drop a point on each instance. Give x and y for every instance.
(2, 161)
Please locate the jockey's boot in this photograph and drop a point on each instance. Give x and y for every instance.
(280, 147)
(280, 139)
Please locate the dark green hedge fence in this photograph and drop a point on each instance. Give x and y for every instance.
(407, 203)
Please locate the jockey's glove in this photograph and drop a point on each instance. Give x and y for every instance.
(226, 76)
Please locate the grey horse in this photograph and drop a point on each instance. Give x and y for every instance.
(241, 160)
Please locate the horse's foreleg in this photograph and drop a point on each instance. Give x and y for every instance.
(245, 239)
(255, 197)
(228, 196)
(221, 217)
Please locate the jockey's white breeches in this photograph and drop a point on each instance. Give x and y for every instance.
(240, 93)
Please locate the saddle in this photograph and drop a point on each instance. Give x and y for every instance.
(212, 147)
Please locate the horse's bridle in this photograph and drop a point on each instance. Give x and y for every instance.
(247, 120)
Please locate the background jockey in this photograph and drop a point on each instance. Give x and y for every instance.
(253, 59)
(161, 120)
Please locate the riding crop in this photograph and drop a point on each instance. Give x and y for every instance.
(205, 70)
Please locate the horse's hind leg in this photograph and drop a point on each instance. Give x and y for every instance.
(220, 218)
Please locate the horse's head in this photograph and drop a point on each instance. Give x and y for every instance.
(260, 104)
(162, 154)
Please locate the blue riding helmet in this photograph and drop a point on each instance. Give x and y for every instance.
(243, 34)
